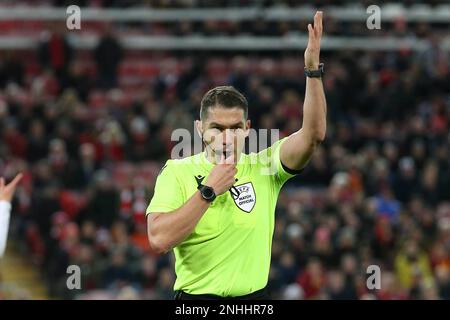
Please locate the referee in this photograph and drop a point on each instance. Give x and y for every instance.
(216, 208)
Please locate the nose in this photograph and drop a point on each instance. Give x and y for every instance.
(229, 133)
(229, 137)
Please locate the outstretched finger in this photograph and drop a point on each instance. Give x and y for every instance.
(318, 22)
(310, 30)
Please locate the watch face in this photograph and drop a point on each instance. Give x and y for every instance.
(208, 192)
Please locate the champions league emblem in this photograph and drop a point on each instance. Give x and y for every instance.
(246, 199)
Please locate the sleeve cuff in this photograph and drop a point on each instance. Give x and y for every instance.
(5, 206)
(159, 210)
(291, 171)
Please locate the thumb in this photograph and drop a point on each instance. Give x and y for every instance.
(16, 180)
(310, 32)
(2, 183)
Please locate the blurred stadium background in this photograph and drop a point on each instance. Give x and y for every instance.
(87, 116)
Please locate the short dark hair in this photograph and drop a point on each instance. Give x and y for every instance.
(225, 96)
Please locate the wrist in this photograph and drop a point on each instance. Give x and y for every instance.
(312, 66)
(316, 72)
(207, 193)
(202, 203)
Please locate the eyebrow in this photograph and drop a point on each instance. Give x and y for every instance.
(218, 125)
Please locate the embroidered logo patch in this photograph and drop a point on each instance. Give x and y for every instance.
(246, 199)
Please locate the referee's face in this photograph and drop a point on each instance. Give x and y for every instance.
(224, 131)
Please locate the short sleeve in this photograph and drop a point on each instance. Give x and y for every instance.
(168, 195)
(274, 166)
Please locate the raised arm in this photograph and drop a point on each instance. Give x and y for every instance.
(299, 147)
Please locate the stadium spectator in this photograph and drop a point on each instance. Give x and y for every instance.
(108, 55)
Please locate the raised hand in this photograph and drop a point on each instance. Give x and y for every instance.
(312, 52)
(7, 191)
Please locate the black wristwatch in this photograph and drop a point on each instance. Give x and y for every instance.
(207, 192)
(315, 73)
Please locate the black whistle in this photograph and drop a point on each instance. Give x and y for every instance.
(234, 191)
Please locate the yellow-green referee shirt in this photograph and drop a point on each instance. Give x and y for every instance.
(228, 253)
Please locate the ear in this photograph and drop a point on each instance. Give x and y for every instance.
(247, 127)
(199, 127)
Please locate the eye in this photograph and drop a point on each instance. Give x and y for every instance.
(214, 130)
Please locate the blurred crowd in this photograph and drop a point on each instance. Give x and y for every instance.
(377, 192)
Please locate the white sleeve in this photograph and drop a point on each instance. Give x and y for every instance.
(5, 208)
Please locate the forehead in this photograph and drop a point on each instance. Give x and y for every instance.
(224, 116)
